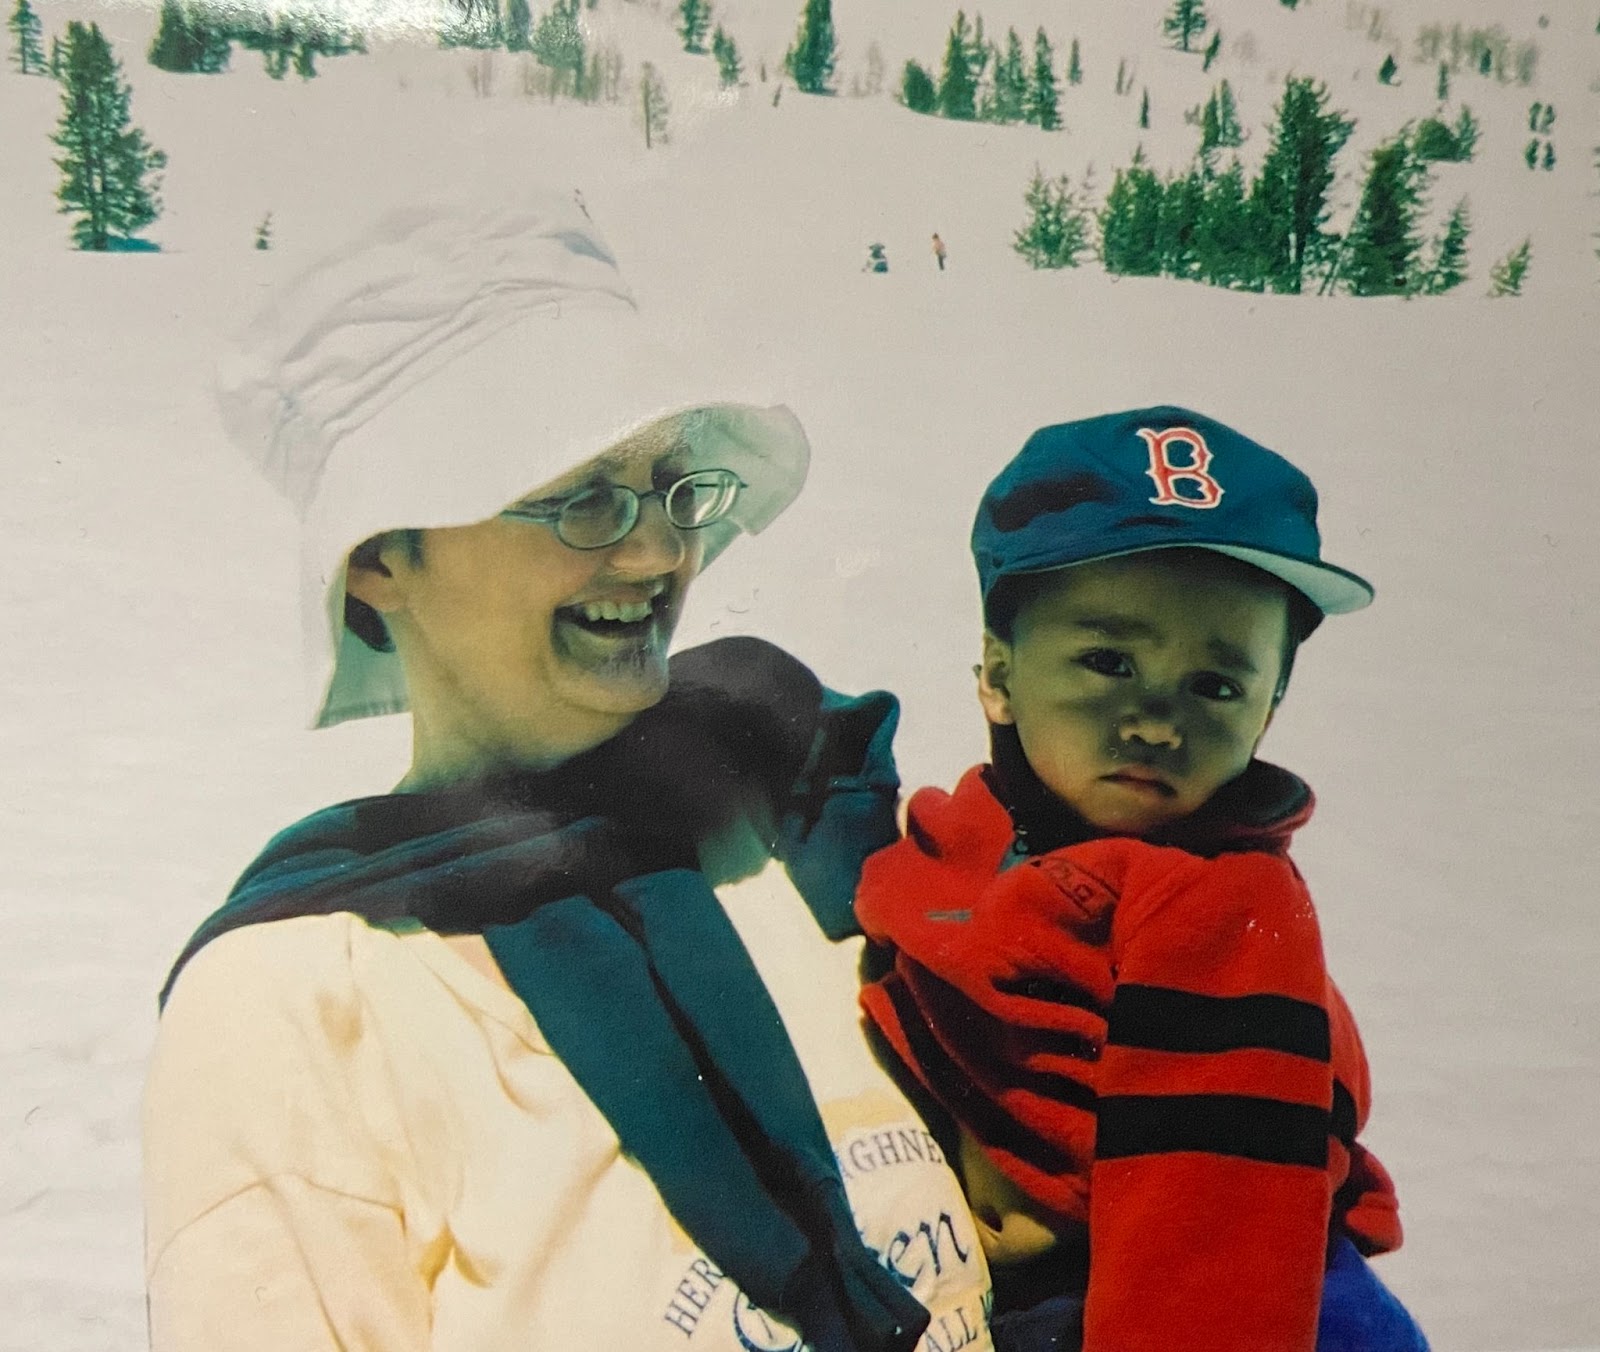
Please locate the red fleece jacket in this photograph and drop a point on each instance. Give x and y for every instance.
(1146, 1040)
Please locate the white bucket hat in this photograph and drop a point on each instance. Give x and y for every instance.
(447, 363)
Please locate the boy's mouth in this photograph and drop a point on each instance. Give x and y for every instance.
(1142, 782)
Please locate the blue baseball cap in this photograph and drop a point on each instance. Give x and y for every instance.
(1155, 478)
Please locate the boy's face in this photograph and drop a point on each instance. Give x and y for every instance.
(1140, 685)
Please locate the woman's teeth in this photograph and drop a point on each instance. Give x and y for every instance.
(625, 611)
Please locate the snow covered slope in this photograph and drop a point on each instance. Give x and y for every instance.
(1452, 732)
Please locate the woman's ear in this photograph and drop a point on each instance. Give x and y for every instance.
(994, 679)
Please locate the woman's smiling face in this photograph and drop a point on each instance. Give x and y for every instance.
(518, 648)
(1140, 685)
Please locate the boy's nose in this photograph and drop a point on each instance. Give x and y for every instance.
(1154, 722)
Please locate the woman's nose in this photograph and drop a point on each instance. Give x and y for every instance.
(654, 545)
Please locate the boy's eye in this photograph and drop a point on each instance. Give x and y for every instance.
(1106, 662)
(1209, 685)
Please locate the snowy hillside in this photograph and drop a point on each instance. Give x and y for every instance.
(151, 726)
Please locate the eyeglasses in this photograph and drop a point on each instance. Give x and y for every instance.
(602, 514)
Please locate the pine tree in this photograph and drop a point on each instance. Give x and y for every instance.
(1447, 265)
(1388, 70)
(109, 172)
(1212, 49)
(1466, 135)
(1130, 221)
(726, 53)
(1177, 225)
(1507, 275)
(264, 232)
(1042, 106)
(1185, 21)
(1549, 161)
(1547, 120)
(1122, 75)
(185, 42)
(1531, 153)
(1074, 65)
(57, 57)
(1444, 81)
(1225, 248)
(694, 18)
(958, 85)
(1144, 111)
(557, 42)
(518, 26)
(816, 50)
(1009, 93)
(1219, 121)
(653, 105)
(1059, 229)
(917, 90)
(27, 30)
(1382, 248)
(1290, 194)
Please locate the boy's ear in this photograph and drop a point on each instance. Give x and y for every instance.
(994, 680)
(369, 579)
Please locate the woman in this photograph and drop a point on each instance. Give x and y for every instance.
(555, 1045)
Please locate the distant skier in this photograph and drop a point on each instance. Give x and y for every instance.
(938, 250)
(877, 259)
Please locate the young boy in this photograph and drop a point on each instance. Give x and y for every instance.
(1098, 956)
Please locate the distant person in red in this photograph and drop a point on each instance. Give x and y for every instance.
(1096, 953)
(939, 250)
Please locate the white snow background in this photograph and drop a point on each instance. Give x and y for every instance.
(150, 725)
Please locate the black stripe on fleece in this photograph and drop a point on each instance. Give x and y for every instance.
(1267, 1130)
(961, 1098)
(1160, 1019)
(1344, 1114)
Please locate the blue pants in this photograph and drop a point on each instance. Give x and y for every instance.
(1359, 1314)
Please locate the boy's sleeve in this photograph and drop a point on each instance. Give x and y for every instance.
(270, 1223)
(1210, 1194)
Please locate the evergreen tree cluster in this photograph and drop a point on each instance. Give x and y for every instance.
(110, 174)
(1453, 143)
(815, 53)
(984, 81)
(1487, 51)
(193, 37)
(1541, 121)
(27, 40)
(1212, 224)
(1059, 232)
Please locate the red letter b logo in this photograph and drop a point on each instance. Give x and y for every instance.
(1204, 490)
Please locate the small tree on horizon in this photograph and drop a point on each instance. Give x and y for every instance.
(725, 51)
(1008, 93)
(1289, 197)
(1508, 274)
(27, 52)
(1212, 49)
(917, 89)
(1144, 110)
(186, 42)
(109, 172)
(694, 18)
(816, 49)
(1184, 22)
(653, 105)
(264, 233)
(1042, 106)
(1447, 267)
(1059, 229)
(1219, 121)
(1388, 70)
(1074, 65)
(958, 79)
(1382, 248)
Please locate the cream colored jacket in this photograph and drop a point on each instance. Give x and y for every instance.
(357, 1139)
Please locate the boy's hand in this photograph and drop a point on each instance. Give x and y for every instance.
(1011, 1227)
